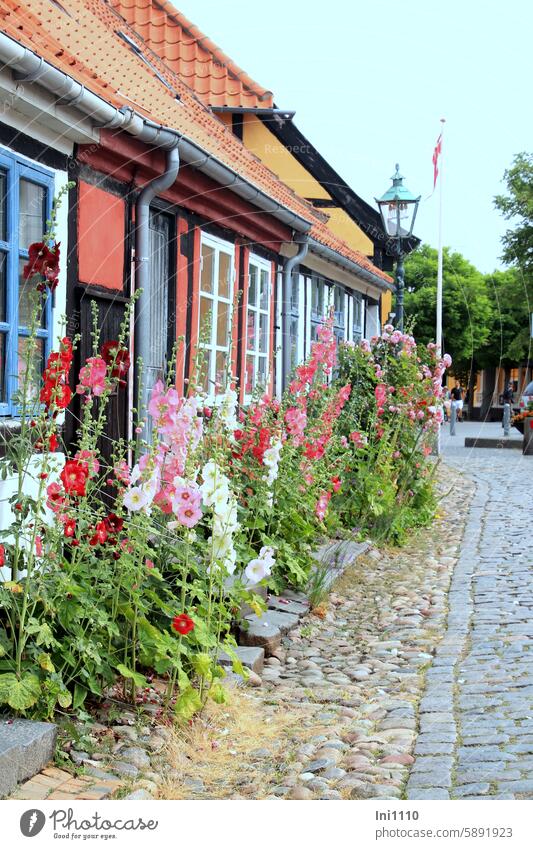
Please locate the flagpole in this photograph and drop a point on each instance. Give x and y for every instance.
(439, 261)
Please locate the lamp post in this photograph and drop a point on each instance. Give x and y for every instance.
(398, 208)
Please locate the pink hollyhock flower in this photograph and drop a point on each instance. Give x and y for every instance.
(358, 438)
(322, 505)
(189, 515)
(90, 459)
(186, 495)
(163, 499)
(122, 472)
(336, 482)
(93, 376)
(56, 497)
(38, 546)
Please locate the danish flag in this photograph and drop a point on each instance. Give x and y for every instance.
(436, 153)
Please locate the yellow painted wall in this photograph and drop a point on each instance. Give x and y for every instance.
(386, 306)
(258, 139)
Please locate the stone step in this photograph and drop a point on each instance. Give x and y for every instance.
(284, 604)
(252, 657)
(25, 749)
(267, 630)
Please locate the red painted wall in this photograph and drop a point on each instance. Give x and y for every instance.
(101, 234)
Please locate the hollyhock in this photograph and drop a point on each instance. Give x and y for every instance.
(69, 527)
(322, 505)
(122, 472)
(135, 499)
(188, 514)
(359, 439)
(227, 410)
(186, 495)
(116, 357)
(93, 377)
(183, 624)
(74, 477)
(44, 261)
(113, 523)
(336, 483)
(296, 421)
(55, 496)
(260, 567)
(90, 460)
(2, 555)
(38, 546)
(100, 534)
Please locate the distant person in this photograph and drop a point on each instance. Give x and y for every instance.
(508, 394)
(447, 403)
(457, 399)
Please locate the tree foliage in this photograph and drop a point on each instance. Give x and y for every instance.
(466, 303)
(517, 206)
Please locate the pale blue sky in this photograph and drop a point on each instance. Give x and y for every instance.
(370, 81)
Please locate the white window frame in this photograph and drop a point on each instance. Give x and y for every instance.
(357, 330)
(219, 246)
(256, 354)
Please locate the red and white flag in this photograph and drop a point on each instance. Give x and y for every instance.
(436, 153)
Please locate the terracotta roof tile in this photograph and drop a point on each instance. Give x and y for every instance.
(84, 43)
(170, 34)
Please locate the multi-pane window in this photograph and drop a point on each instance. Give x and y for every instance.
(339, 313)
(160, 272)
(216, 298)
(357, 317)
(319, 304)
(25, 203)
(294, 325)
(257, 325)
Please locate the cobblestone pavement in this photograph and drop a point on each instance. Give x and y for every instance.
(476, 717)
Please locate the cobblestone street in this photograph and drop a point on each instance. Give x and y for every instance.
(476, 716)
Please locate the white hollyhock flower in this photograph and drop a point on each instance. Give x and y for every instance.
(135, 499)
(256, 570)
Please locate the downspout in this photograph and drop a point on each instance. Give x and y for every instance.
(143, 347)
(289, 266)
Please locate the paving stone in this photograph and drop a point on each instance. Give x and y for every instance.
(252, 657)
(25, 748)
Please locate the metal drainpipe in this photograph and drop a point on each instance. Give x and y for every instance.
(286, 307)
(143, 346)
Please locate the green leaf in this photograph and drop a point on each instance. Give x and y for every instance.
(45, 662)
(20, 695)
(138, 679)
(80, 694)
(218, 693)
(201, 663)
(188, 704)
(64, 698)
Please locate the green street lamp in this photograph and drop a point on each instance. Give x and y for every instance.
(398, 208)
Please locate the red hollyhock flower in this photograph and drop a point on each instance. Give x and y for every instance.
(183, 624)
(74, 477)
(53, 442)
(2, 555)
(100, 534)
(113, 523)
(43, 261)
(116, 357)
(69, 527)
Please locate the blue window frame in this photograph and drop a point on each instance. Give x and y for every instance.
(26, 194)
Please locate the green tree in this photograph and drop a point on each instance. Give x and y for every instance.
(467, 311)
(509, 340)
(517, 205)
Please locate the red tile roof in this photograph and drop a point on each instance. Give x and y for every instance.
(84, 42)
(212, 75)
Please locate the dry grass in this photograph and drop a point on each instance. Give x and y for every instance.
(219, 749)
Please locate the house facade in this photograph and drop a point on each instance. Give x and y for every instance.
(167, 199)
